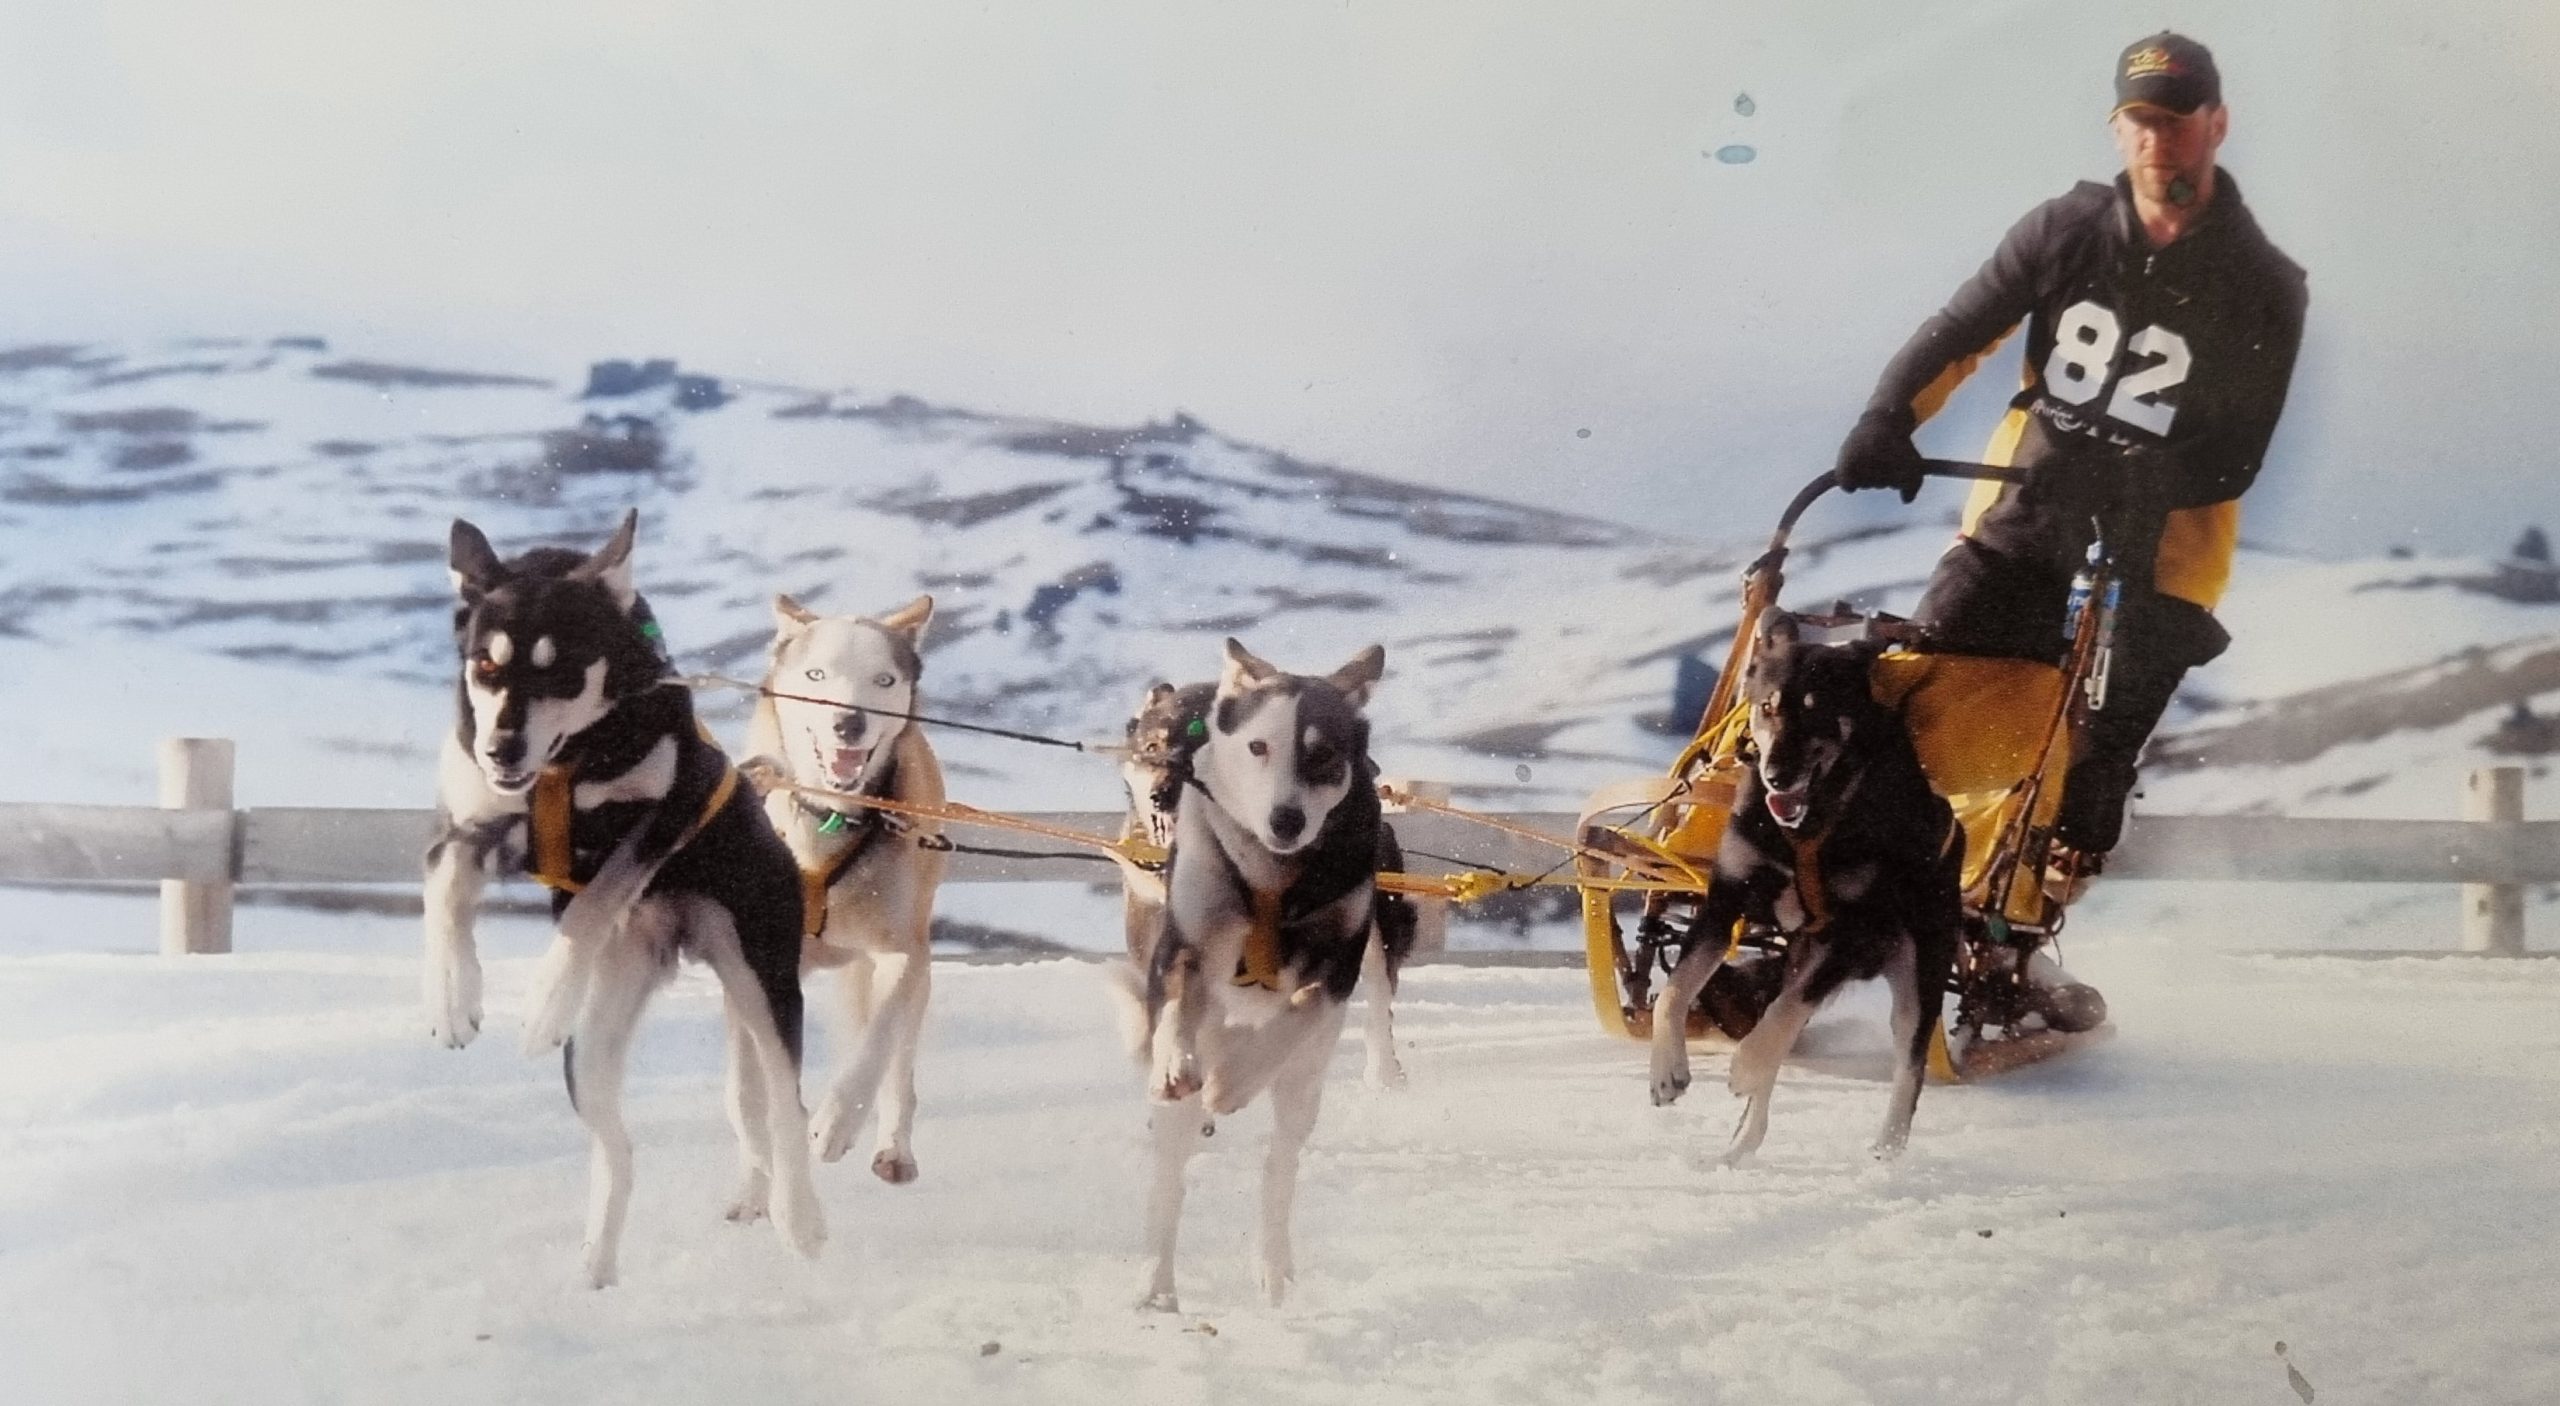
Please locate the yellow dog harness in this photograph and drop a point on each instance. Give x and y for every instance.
(1260, 965)
(555, 805)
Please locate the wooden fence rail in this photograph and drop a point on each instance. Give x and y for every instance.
(200, 852)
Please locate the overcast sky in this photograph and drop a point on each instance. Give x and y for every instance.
(1433, 238)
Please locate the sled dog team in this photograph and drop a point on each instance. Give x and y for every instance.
(576, 756)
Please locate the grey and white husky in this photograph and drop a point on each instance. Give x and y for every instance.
(1160, 740)
(571, 754)
(1271, 904)
(833, 715)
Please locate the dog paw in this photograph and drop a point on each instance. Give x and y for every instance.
(832, 1132)
(556, 997)
(748, 1206)
(1670, 1075)
(1159, 1301)
(801, 1220)
(1275, 1277)
(541, 1037)
(454, 1029)
(1386, 1073)
(1886, 1149)
(453, 1004)
(895, 1168)
(1219, 1098)
(602, 1272)
(1175, 1079)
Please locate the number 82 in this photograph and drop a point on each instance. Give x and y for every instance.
(2084, 353)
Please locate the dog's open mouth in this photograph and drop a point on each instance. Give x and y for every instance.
(510, 783)
(845, 765)
(1788, 807)
(841, 766)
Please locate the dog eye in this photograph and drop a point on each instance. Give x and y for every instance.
(816, 676)
(485, 668)
(885, 680)
(1258, 747)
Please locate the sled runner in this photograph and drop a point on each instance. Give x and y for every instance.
(1993, 735)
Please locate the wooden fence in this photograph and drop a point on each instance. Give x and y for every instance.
(200, 849)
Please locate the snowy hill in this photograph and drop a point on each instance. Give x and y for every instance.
(246, 539)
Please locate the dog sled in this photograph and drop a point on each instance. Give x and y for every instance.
(1994, 736)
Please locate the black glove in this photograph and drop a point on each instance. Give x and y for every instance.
(1879, 454)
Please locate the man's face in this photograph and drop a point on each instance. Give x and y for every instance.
(2165, 153)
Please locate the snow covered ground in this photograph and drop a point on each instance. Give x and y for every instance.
(251, 1179)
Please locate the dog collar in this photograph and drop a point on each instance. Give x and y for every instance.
(834, 821)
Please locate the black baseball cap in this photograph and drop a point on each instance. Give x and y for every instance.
(2167, 71)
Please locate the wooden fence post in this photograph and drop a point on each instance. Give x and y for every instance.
(2493, 914)
(1431, 915)
(195, 774)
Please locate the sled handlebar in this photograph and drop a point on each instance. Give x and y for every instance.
(1826, 481)
(1763, 579)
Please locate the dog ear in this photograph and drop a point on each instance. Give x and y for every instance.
(790, 615)
(475, 568)
(1359, 678)
(1243, 669)
(909, 620)
(1158, 695)
(1773, 645)
(610, 567)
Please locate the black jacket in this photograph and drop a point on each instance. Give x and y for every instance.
(2185, 351)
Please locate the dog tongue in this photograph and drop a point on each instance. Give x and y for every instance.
(848, 762)
(1786, 807)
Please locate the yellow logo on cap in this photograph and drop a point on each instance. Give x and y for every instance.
(2144, 63)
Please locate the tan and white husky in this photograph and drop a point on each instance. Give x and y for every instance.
(834, 714)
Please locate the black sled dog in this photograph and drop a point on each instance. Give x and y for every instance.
(573, 755)
(1271, 904)
(1836, 840)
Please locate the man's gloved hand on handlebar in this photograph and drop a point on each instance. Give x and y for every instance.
(1879, 454)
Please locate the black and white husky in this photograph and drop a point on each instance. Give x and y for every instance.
(1837, 840)
(832, 715)
(572, 754)
(1271, 902)
(1155, 760)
